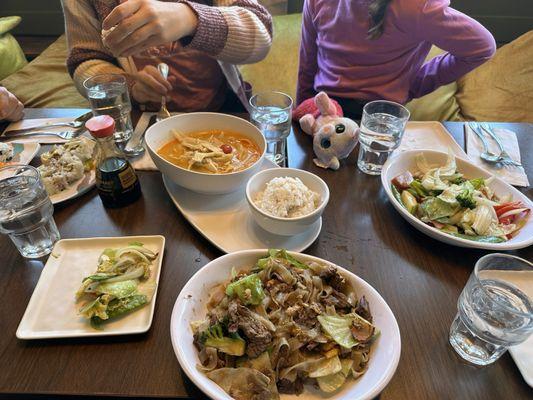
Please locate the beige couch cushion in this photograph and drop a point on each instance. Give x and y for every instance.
(439, 105)
(45, 81)
(279, 70)
(501, 89)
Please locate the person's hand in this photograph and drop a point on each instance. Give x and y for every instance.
(140, 24)
(149, 86)
(10, 108)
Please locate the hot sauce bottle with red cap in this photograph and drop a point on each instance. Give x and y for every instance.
(115, 178)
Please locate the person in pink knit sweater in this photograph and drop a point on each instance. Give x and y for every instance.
(211, 38)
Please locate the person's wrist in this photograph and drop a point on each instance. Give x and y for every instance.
(187, 20)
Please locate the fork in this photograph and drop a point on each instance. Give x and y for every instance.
(505, 158)
(67, 135)
(486, 154)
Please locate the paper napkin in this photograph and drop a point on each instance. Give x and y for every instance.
(515, 176)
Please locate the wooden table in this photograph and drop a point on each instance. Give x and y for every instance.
(420, 279)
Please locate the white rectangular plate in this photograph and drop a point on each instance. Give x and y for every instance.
(53, 311)
(226, 220)
(430, 135)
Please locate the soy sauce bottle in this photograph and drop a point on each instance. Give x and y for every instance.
(116, 181)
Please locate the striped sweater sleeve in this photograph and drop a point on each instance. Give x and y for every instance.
(233, 31)
(86, 54)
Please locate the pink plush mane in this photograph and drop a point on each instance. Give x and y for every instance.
(309, 107)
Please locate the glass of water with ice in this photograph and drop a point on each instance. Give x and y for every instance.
(108, 95)
(381, 132)
(495, 309)
(271, 113)
(26, 211)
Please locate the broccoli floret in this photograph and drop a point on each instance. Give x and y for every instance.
(214, 337)
(458, 180)
(466, 199)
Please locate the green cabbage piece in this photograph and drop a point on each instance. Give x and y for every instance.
(118, 290)
(339, 328)
(248, 289)
(96, 308)
(331, 383)
(325, 367)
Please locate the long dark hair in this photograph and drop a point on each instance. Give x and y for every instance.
(377, 9)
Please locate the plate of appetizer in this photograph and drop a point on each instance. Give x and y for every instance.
(457, 202)
(17, 153)
(95, 287)
(68, 169)
(276, 324)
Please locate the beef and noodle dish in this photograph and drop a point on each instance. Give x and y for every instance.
(212, 152)
(282, 325)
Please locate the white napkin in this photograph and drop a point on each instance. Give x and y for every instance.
(515, 176)
(30, 123)
(429, 135)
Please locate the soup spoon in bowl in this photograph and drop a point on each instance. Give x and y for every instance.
(163, 112)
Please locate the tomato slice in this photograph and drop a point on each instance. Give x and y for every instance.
(503, 208)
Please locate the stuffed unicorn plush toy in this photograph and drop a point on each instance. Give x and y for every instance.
(334, 137)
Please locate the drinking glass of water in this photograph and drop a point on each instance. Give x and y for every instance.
(26, 211)
(495, 309)
(108, 95)
(381, 132)
(271, 113)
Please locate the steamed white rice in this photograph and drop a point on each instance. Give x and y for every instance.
(287, 198)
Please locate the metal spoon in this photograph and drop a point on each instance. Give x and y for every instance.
(486, 154)
(163, 112)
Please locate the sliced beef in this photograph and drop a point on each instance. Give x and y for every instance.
(339, 300)
(288, 387)
(258, 337)
(363, 309)
(333, 278)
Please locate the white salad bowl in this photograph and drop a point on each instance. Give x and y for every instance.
(279, 225)
(191, 303)
(160, 134)
(406, 162)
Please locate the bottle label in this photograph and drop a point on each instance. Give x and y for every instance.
(127, 177)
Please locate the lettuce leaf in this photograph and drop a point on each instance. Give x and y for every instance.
(434, 208)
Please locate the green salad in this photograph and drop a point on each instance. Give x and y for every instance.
(445, 199)
(114, 289)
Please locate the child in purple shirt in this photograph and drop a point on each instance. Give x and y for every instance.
(363, 50)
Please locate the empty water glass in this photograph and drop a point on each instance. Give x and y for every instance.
(381, 132)
(108, 95)
(495, 309)
(271, 113)
(26, 211)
